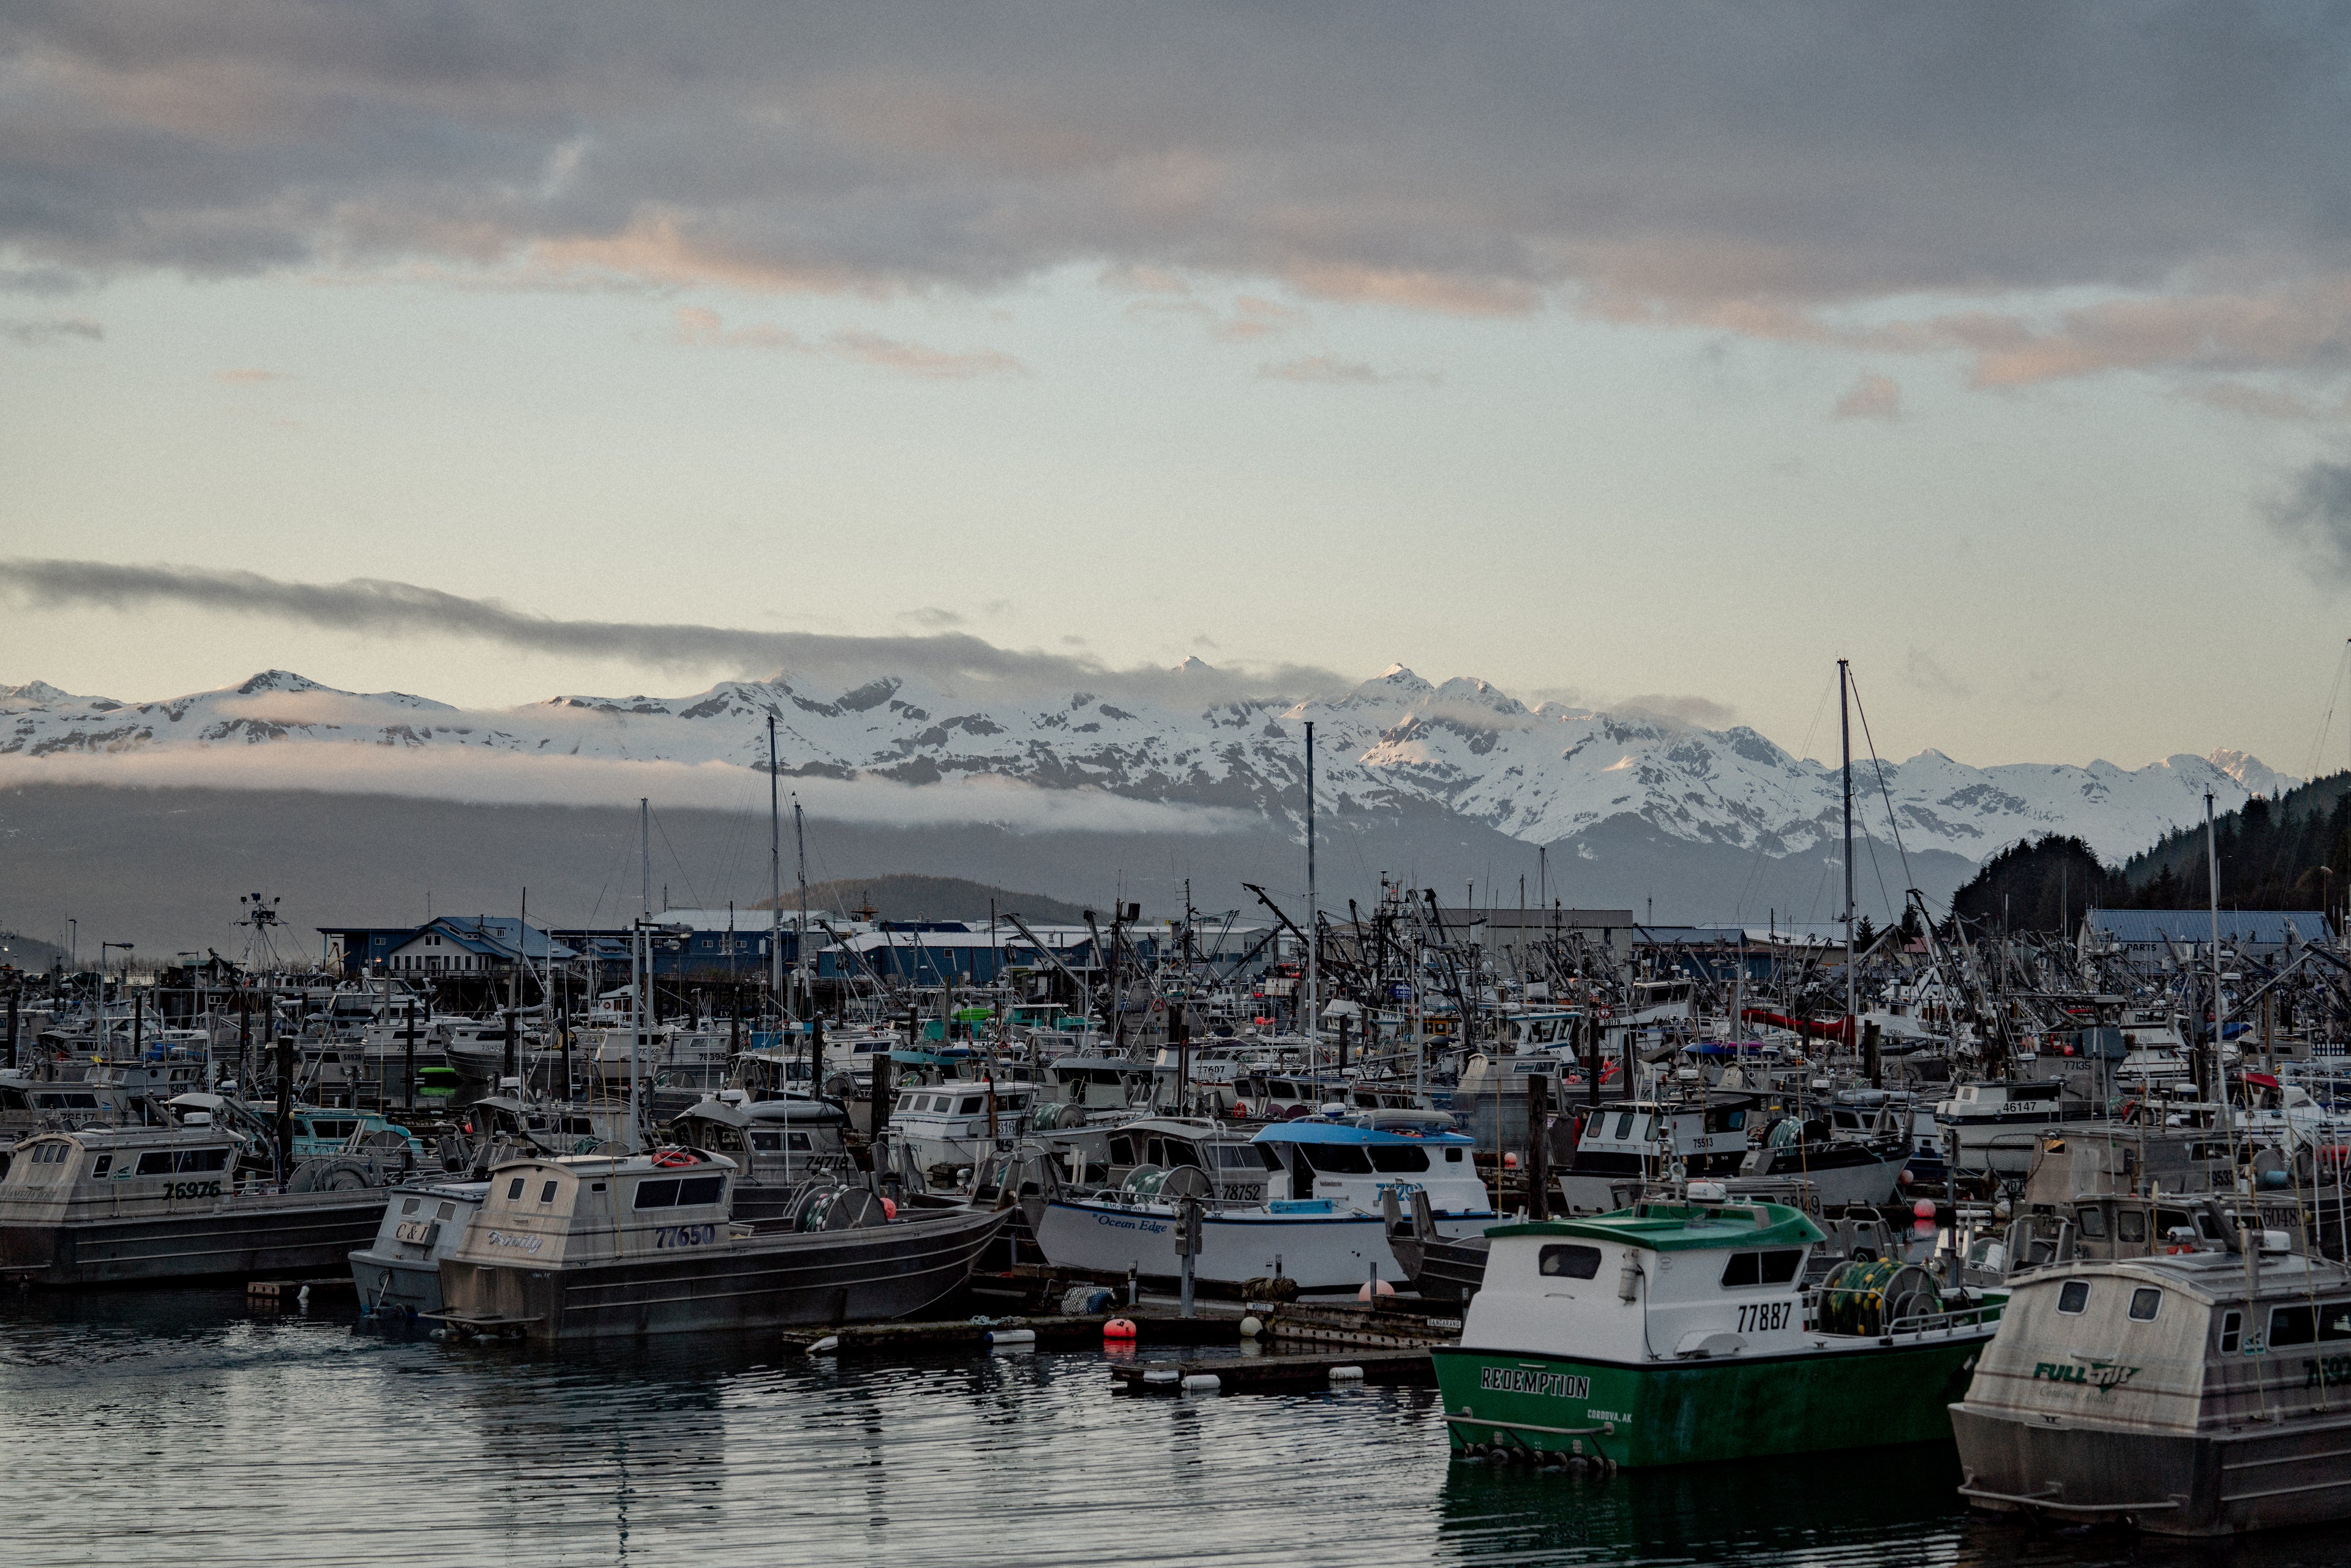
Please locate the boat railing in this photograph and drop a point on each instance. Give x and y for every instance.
(1948, 1322)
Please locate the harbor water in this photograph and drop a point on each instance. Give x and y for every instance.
(191, 1429)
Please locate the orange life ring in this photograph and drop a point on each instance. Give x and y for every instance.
(671, 1158)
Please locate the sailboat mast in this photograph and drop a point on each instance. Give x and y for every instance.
(1844, 735)
(775, 877)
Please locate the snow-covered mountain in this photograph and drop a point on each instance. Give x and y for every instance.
(1547, 774)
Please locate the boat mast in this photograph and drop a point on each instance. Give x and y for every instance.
(1844, 732)
(775, 878)
(640, 973)
(800, 943)
(2248, 1215)
(1313, 921)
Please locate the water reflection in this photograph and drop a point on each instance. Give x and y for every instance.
(182, 1427)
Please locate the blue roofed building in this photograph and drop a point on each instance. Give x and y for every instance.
(2144, 933)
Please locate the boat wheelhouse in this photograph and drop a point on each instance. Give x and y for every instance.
(1682, 1332)
(1359, 1166)
(399, 1271)
(1626, 1147)
(1994, 1128)
(952, 1126)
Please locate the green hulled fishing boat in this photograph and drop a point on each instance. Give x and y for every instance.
(1673, 1333)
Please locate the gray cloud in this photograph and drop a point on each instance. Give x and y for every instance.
(376, 607)
(1920, 672)
(1873, 396)
(32, 334)
(1333, 371)
(1749, 169)
(2315, 517)
(1704, 712)
(701, 327)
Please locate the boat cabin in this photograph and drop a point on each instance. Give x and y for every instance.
(1358, 1166)
(1234, 1168)
(575, 1208)
(101, 1173)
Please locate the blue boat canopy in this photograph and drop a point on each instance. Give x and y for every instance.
(1308, 1129)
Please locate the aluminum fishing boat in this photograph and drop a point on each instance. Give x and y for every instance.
(2186, 1394)
(599, 1247)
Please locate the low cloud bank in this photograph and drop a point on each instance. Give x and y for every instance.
(494, 778)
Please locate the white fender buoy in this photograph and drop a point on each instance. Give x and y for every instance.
(831, 1341)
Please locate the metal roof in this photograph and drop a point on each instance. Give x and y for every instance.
(2259, 927)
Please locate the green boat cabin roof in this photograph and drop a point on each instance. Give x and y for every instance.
(1681, 1227)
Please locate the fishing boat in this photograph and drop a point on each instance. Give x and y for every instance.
(400, 1272)
(2199, 1394)
(586, 1247)
(1628, 1145)
(954, 1125)
(142, 1205)
(1996, 1128)
(1317, 1243)
(779, 1146)
(1681, 1333)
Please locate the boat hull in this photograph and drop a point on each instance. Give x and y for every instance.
(2166, 1483)
(755, 1282)
(1707, 1411)
(295, 1234)
(387, 1284)
(1318, 1251)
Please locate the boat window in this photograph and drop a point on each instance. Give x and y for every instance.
(447, 1211)
(1337, 1159)
(1247, 1157)
(547, 1192)
(660, 1194)
(409, 1207)
(2167, 1220)
(800, 1141)
(155, 1161)
(1570, 1262)
(2233, 1332)
(2335, 1321)
(1121, 1151)
(2209, 1227)
(203, 1160)
(1183, 1153)
(2094, 1221)
(2074, 1299)
(2144, 1302)
(700, 1189)
(1623, 1125)
(513, 1189)
(103, 1164)
(1773, 1267)
(1397, 1159)
(768, 1143)
(2130, 1224)
(1453, 1156)
(2291, 1325)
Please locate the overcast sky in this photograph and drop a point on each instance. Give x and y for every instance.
(1599, 351)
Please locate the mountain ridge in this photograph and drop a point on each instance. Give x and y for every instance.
(1545, 775)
